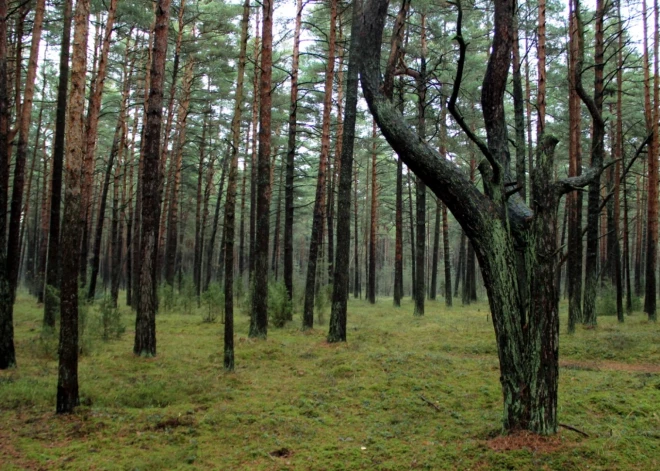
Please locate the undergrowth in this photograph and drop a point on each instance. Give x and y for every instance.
(402, 393)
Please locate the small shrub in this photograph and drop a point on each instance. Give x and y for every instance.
(111, 324)
(187, 295)
(322, 303)
(280, 309)
(606, 303)
(52, 296)
(167, 298)
(213, 303)
(84, 337)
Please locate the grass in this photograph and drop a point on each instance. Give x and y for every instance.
(402, 393)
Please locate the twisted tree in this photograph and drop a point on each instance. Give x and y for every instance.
(497, 221)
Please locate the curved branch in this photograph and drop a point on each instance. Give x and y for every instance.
(470, 207)
(451, 104)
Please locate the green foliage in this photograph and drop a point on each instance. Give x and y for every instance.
(213, 303)
(52, 296)
(322, 303)
(167, 298)
(187, 295)
(606, 303)
(112, 326)
(85, 343)
(280, 309)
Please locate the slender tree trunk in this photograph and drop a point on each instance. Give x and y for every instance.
(652, 208)
(256, 95)
(230, 204)
(145, 323)
(413, 258)
(574, 257)
(518, 109)
(259, 314)
(91, 131)
(214, 228)
(67, 383)
(436, 248)
(340, 285)
(595, 106)
(290, 157)
(171, 245)
(7, 349)
(24, 120)
(356, 255)
(373, 220)
(319, 202)
(115, 151)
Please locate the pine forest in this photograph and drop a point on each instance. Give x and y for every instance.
(329, 234)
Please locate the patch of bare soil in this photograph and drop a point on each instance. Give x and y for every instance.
(611, 366)
(531, 441)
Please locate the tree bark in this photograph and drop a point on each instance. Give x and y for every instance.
(7, 349)
(145, 323)
(290, 157)
(319, 202)
(259, 314)
(24, 119)
(373, 219)
(527, 351)
(67, 382)
(340, 285)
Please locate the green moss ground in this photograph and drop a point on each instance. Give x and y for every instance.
(297, 403)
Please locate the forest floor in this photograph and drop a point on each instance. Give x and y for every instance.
(402, 393)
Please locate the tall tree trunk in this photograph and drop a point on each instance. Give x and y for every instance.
(145, 323)
(259, 315)
(595, 106)
(115, 231)
(53, 267)
(356, 254)
(115, 151)
(319, 202)
(652, 208)
(216, 217)
(230, 204)
(290, 157)
(518, 109)
(24, 119)
(72, 221)
(340, 284)
(373, 219)
(574, 257)
(7, 349)
(256, 94)
(171, 243)
(436, 248)
(540, 94)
